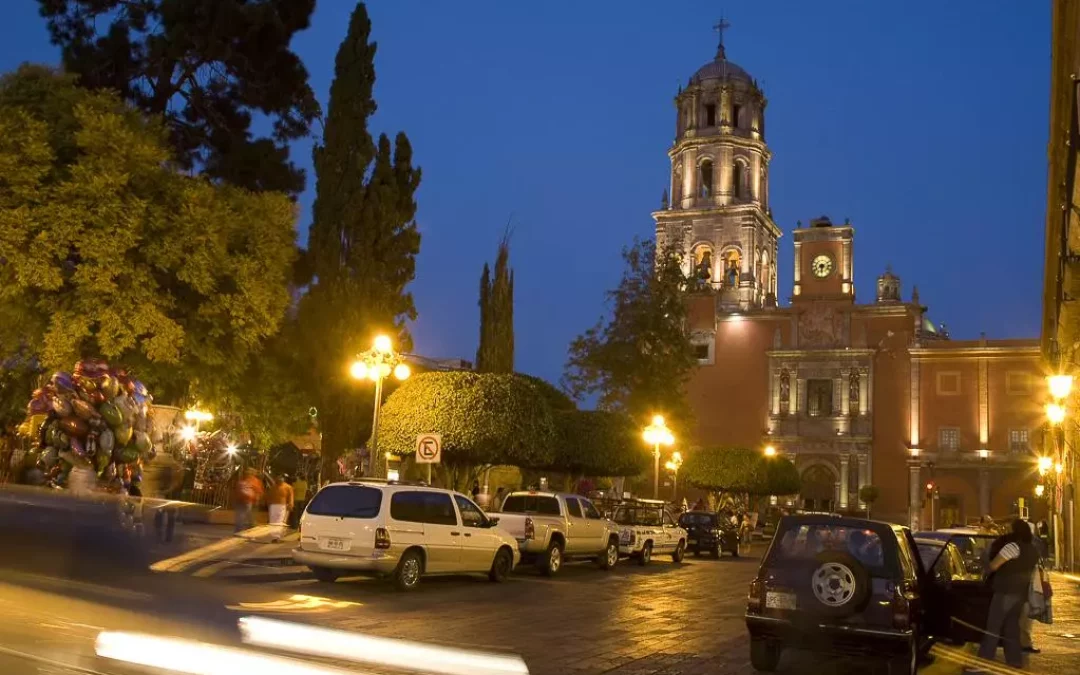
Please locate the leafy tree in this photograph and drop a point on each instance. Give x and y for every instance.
(724, 469)
(868, 494)
(485, 419)
(109, 252)
(781, 477)
(363, 245)
(639, 359)
(496, 351)
(597, 443)
(555, 398)
(208, 67)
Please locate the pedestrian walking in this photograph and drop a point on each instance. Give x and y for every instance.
(300, 497)
(1011, 570)
(170, 480)
(249, 491)
(279, 501)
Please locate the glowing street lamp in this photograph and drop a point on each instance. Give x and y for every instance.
(673, 465)
(770, 451)
(1060, 386)
(657, 434)
(376, 364)
(1045, 463)
(188, 433)
(1055, 413)
(1040, 490)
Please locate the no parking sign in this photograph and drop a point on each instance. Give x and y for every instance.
(429, 448)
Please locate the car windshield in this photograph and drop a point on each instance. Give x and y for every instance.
(638, 515)
(803, 542)
(533, 504)
(698, 518)
(929, 552)
(346, 501)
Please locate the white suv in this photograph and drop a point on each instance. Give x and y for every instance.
(404, 531)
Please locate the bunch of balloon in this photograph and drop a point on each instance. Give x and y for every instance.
(95, 417)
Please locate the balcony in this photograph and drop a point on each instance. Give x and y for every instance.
(836, 426)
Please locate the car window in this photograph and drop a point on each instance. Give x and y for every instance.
(697, 518)
(590, 511)
(637, 515)
(573, 508)
(471, 515)
(907, 557)
(531, 504)
(346, 501)
(798, 543)
(434, 508)
(668, 520)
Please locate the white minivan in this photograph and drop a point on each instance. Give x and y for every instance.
(387, 528)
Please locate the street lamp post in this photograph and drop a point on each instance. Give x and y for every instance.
(1059, 386)
(673, 465)
(657, 434)
(377, 364)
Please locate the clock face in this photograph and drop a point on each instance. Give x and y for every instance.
(822, 266)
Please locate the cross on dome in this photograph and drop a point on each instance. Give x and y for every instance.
(721, 26)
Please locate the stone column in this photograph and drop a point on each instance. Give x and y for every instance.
(776, 392)
(984, 406)
(844, 473)
(914, 408)
(845, 398)
(798, 267)
(864, 391)
(800, 390)
(914, 496)
(864, 475)
(837, 394)
(984, 492)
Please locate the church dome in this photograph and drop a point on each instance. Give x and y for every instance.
(721, 69)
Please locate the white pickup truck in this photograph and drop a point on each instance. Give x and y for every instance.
(551, 527)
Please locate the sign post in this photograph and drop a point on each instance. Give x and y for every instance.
(429, 451)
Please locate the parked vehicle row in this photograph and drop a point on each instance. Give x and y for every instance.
(405, 532)
(864, 588)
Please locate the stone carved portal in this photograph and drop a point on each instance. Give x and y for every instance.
(818, 488)
(821, 326)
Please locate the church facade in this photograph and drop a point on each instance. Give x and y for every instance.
(854, 394)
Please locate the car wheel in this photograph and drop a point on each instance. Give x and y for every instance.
(764, 655)
(501, 566)
(646, 554)
(551, 563)
(408, 572)
(610, 557)
(907, 664)
(325, 574)
(839, 584)
(680, 552)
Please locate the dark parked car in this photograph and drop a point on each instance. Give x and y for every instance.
(707, 532)
(855, 587)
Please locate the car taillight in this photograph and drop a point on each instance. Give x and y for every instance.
(530, 530)
(901, 609)
(755, 600)
(382, 538)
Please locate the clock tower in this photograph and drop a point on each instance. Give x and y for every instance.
(824, 266)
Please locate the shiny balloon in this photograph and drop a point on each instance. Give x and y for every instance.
(83, 409)
(123, 434)
(73, 426)
(106, 440)
(111, 413)
(63, 382)
(61, 405)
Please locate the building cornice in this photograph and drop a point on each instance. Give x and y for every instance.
(818, 354)
(754, 210)
(946, 353)
(720, 139)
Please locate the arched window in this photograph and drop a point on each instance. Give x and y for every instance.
(738, 179)
(676, 186)
(703, 262)
(705, 179)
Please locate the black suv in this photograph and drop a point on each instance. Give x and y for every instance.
(707, 532)
(855, 587)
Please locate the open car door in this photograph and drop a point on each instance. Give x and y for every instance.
(965, 596)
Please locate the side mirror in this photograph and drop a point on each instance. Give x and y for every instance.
(492, 522)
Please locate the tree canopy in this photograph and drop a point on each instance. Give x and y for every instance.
(740, 470)
(484, 419)
(597, 443)
(496, 351)
(109, 252)
(640, 358)
(207, 67)
(363, 244)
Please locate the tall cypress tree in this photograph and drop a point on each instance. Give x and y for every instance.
(363, 242)
(496, 351)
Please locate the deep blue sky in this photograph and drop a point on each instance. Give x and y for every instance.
(924, 122)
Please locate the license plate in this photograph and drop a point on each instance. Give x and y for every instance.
(780, 600)
(336, 544)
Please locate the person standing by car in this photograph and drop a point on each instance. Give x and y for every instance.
(300, 497)
(279, 501)
(1010, 577)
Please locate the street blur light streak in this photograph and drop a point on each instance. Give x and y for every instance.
(188, 433)
(402, 654)
(198, 416)
(1060, 386)
(376, 364)
(1055, 413)
(657, 434)
(199, 658)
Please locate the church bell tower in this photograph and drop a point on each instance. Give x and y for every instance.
(716, 210)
